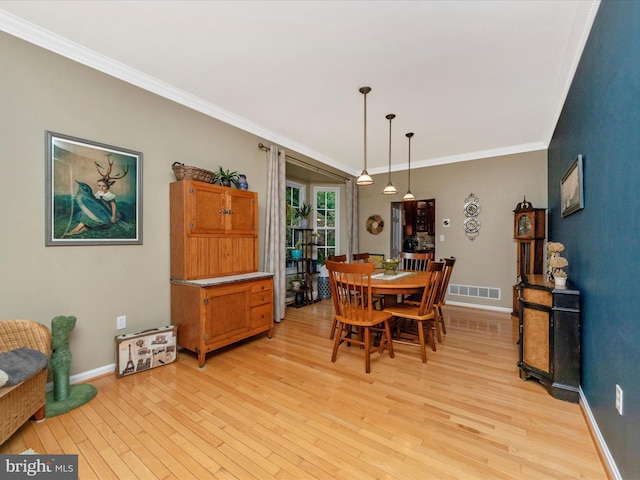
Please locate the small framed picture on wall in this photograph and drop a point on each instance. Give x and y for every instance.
(571, 188)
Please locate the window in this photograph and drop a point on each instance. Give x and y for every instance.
(327, 208)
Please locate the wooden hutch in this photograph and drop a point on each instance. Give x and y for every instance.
(218, 297)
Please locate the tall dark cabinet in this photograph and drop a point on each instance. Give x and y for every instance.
(549, 337)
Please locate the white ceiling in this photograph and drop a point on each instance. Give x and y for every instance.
(471, 78)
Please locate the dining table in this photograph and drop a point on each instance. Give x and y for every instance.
(402, 283)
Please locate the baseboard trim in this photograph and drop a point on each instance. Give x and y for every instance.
(481, 307)
(603, 450)
(88, 375)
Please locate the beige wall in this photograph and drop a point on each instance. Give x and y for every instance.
(499, 183)
(42, 91)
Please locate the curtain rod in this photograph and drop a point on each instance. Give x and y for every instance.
(308, 165)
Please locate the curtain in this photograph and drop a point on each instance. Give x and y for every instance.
(352, 217)
(275, 238)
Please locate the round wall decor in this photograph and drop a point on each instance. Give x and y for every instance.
(471, 210)
(375, 224)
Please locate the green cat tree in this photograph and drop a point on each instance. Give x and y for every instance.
(65, 397)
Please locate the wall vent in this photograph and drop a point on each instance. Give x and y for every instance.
(474, 291)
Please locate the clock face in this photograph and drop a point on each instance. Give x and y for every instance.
(524, 225)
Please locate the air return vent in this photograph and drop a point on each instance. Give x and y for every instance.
(474, 291)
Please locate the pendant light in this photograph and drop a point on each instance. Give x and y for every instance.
(390, 189)
(365, 178)
(409, 196)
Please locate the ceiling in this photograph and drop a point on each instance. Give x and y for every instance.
(471, 79)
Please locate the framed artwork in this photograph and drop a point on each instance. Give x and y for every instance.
(376, 259)
(93, 193)
(571, 188)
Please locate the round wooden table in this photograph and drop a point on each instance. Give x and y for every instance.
(410, 282)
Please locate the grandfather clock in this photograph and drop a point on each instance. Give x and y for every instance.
(529, 232)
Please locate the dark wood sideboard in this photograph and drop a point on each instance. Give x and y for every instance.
(549, 337)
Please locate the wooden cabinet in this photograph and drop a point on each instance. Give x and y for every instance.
(216, 312)
(549, 336)
(217, 295)
(420, 217)
(209, 224)
(425, 216)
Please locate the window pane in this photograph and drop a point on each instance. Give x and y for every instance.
(331, 219)
(331, 238)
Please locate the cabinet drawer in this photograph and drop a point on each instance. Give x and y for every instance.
(261, 286)
(260, 298)
(533, 295)
(262, 315)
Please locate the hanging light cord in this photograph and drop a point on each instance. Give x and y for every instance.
(391, 116)
(365, 125)
(409, 180)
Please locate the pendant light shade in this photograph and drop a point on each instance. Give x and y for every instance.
(365, 178)
(409, 196)
(390, 189)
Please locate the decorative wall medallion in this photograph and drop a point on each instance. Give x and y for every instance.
(471, 210)
(375, 224)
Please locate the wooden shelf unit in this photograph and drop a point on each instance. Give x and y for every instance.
(305, 266)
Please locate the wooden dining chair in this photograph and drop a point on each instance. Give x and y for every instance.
(415, 262)
(378, 300)
(423, 313)
(338, 258)
(360, 257)
(442, 295)
(350, 311)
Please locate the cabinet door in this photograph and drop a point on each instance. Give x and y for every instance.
(431, 217)
(235, 255)
(536, 327)
(208, 210)
(227, 312)
(243, 212)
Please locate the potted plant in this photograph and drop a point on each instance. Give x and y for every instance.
(296, 282)
(302, 213)
(226, 177)
(296, 253)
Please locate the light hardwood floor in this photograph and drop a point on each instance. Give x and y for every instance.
(280, 409)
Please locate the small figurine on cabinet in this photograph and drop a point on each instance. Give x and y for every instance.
(556, 263)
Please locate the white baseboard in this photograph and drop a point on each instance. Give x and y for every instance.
(481, 307)
(611, 466)
(88, 375)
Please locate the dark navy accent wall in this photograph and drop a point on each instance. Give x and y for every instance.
(601, 121)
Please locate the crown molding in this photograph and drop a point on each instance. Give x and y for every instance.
(55, 43)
